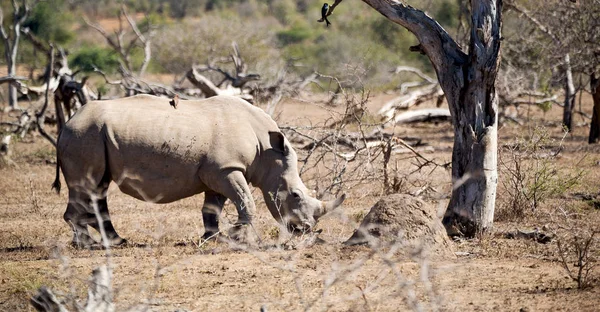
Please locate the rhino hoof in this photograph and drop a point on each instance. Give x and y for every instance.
(121, 242)
(210, 235)
(86, 245)
(83, 241)
(243, 234)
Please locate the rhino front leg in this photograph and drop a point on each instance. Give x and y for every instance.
(213, 205)
(234, 186)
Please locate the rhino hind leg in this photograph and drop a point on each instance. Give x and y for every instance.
(113, 238)
(213, 205)
(75, 217)
(81, 212)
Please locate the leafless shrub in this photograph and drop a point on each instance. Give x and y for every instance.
(531, 175)
(578, 248)
(350, 149)
(578, 257)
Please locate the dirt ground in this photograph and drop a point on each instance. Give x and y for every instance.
(170, 269)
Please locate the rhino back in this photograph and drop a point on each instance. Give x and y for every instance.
(155, 151)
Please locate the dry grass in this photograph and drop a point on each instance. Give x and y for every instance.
(171, 272)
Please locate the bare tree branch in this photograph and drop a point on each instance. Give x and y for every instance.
(11, 79)
(41, 115)
(142, 38)
(415, 71)
(513, 5)
(198, 80)
(441, 49)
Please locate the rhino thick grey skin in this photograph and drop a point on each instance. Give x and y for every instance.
(159, 154)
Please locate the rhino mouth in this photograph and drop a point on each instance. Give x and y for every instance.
(299, 229)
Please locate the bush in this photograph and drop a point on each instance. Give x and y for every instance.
(89, 57)
(530, 174)
(578, 255)
(211, 38)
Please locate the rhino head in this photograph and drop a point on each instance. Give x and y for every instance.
(286, 196)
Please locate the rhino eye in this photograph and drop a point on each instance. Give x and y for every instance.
(296, 194)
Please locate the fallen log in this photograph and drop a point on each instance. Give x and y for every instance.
(534, 235)
(209, 89)
(414, 98)
(420, 149)
(430, 114)
(202, 83)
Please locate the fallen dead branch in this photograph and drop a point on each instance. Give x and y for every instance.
(25, 121)
(203, 83)
(41, 115)
(406, 85)
(421, 115)
(99, 295)
(240, 77)
(534, 235)
(431, 92)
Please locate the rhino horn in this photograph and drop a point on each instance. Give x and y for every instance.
(330, 205)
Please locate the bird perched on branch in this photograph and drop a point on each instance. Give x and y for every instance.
(324, 11)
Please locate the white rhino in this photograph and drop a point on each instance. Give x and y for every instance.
(160, 154)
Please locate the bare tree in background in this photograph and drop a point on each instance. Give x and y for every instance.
(563, 33)
(11, 44)
(468, 80)
(123, 44)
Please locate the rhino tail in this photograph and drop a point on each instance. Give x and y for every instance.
(56, 184)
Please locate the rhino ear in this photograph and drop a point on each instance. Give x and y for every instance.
(278, 142)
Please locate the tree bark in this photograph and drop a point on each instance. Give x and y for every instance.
(595, 127)
(569, 95)
(468, 81)
(475, 114)
(13, 94)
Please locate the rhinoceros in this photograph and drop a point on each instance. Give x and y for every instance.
(159, 154)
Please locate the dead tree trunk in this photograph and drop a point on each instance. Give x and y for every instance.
(569, 95)
(11, 46)
(475, 120)
(595, 127)
(468, 81)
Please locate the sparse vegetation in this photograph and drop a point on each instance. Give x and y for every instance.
(531, 175)
(579, 257)
(323, 85)
(578, 248)
(87, 59)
